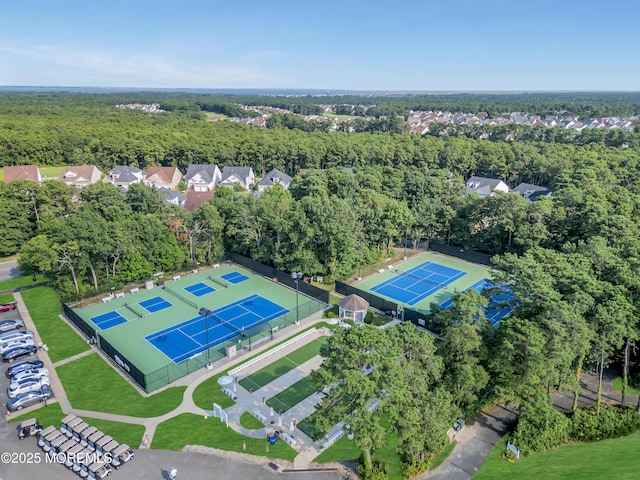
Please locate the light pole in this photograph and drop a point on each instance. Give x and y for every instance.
(206, 312)
(297, 276)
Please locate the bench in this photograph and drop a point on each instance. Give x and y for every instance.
(120, 295)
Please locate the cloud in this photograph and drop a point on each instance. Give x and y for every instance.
(64, 65)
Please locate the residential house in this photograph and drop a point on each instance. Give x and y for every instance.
(80, 176)
(274, 177)
(195, 199)
(172, 197)
(22, 172)
(201, 178)
(531, 192)
(159, 177)
(238, 175)
(123, 176)
(485, 187)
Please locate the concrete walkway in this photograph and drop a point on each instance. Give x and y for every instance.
(245, 401)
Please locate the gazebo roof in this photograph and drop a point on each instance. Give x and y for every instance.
(353, 303)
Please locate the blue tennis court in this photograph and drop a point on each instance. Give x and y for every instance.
(155, 304)
(199, 289)
(190, 338)
(499, 303)
(234, 277)
(418, 283)
(108, 320)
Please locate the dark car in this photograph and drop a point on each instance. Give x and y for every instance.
(6, 307)
(16, 353)
(28, 399)
(6, 325)
(16, 368)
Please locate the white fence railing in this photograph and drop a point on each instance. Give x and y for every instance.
(264, 355)
(333, 439)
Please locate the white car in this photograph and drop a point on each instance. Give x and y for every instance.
(11, 344)
(35, 373)
(27, 385)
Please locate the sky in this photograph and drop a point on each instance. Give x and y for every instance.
(410, 45)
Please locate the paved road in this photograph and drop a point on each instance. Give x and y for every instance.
(9, 270)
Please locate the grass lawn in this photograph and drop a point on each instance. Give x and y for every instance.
(190, 429)
(617, 458)
(249, 421)
(293, 395)
(13, 283)
(122, 432)
(209, 392)
(616, 384)
(51, 172)
(6, 298)
(344, 449)
(283, 365)
(43, 304)
(92, 384)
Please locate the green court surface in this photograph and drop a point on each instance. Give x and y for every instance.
(292, 395)
(474, 274)
(129, 339)
(283, 365)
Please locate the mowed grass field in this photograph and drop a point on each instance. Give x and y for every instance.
(45, 172)
(293, 395)
(278, 368)
(609, 459)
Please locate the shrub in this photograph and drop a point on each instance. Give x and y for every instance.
(412, 467)
(368, 318)
(331, 314)
(379, 470)
(612, 421)
(541, 431)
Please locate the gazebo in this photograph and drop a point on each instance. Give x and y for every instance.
(354, 307)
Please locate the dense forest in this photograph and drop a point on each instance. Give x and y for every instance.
(572, 259)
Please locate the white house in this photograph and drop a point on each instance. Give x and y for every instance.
(201, 178)
(123, 176)
(238, 175)
(274, 177)
(485, 187)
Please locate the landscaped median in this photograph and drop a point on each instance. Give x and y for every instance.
(63, 342)
(92, 384)
(190, 429)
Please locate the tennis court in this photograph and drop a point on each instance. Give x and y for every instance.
(199, 289)
(419, 282)
(234, 277)
(499, 303)
(155, 304)
(189, 338)
(108, 320)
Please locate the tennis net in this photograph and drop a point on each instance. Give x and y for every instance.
(185, 300)
(426, 281)
(227, 323)
(133, 310)
(218, 281)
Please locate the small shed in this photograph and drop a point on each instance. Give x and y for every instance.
(354, 307)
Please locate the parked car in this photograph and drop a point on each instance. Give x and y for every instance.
(15, 353)
(11, 344)
(7, 307)
(6, 325)
(32, 373)
(28, 399)
(16, 368)
(16, 335)
(27, 385)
